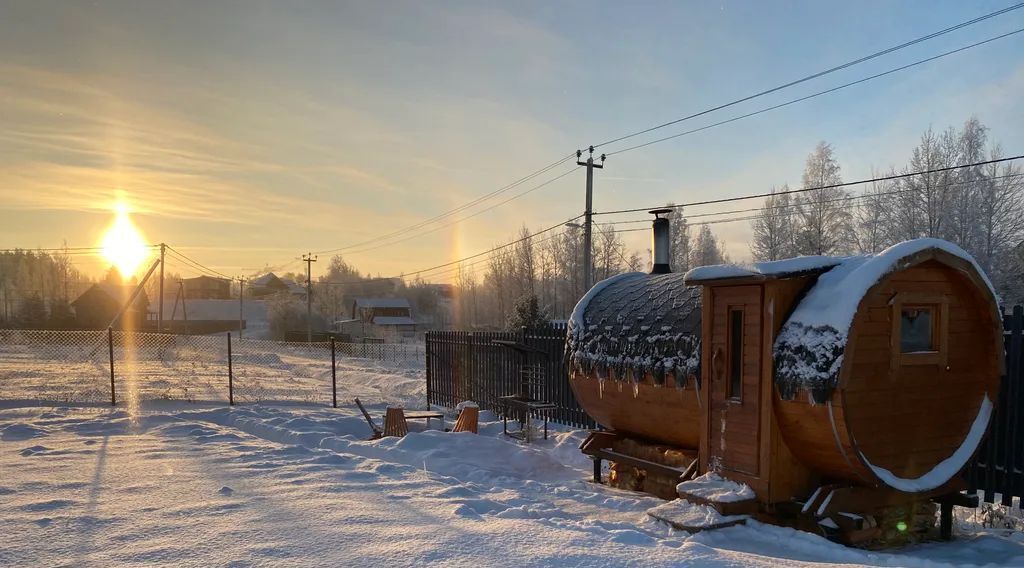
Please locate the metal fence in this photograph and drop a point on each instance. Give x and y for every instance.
(464, 365)
(998, 466)
(105, 366)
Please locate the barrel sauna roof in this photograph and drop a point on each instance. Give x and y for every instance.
(810, 346)
(636, 324)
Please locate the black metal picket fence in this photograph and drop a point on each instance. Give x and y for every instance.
(466, 365)
(998, 466)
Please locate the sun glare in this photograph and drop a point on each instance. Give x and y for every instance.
(123, 245)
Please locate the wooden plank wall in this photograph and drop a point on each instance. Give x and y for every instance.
(999, 465)
(464, 365)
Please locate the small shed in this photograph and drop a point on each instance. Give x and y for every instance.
(207, 288)
(99, 304)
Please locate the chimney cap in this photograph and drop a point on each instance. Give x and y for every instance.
(658, 212)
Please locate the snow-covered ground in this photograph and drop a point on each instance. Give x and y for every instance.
(172, 482)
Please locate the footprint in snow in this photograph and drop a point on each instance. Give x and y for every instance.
(44, 522)
(34, 450)
(226, 491)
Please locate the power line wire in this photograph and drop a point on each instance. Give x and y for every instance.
(463, 259)
(847, 198)
(195, 263)
(814, 95)
(816, 188)
(467, 217)
(815, 75)
(451, 212)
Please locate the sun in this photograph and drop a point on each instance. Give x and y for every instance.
(123, 245)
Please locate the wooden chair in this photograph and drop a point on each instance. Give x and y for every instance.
(394, 422)
(377, 432)
(467, 421)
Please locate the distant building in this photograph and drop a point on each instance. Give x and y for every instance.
(101, 302)
(267, 285)
(207, 288)
(385, 318)
(212, 316)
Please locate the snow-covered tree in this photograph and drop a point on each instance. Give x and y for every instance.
(679, 240)
(823, 222)
(774, 228)
(706, 249)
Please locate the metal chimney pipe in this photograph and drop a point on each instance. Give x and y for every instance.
(661, 243)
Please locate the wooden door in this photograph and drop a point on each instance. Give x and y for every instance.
(735, 409)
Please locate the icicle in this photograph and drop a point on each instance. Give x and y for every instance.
(600, 388)
(636, 390)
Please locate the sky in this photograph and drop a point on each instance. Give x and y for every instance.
(246, 133)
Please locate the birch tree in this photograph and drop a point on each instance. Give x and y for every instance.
(773, 228)
(823, 223)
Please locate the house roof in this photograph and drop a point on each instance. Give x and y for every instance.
(381, 303)
(638, 323)
(801, 265)
(809, 348)
(205, 278)
(120, 293)
(264, 280)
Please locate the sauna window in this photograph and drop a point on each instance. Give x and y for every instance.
(917, 329)
(735, 354)
(920, 329)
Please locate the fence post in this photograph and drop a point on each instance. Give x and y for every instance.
(334, 377)
(426, 364)
(110, 346)
(231, 375)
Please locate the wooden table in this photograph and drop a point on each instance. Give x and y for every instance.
(526, 406)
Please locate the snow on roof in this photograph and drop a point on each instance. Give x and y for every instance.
(770, 269)
(382, 303)
(264, 280)
(809, 348)
(635, 324)
(393, 320)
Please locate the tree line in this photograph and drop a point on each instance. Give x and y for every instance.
(979, 208)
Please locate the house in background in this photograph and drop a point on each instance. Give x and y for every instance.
(267, 285)
(101, 302)
(215, 316)
(270, 284)
(381, 318)
(207, 288)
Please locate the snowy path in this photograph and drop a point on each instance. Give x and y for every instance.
(295, 486)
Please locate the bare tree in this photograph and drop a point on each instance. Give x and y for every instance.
(774, 228)
(706, 249)
(823, 223)
(680, 241)
(873, 217)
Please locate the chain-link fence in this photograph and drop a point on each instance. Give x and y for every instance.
(96, 366)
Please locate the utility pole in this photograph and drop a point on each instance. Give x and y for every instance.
(588, 217)
(309, 259)
(241, 307)
(160, 309)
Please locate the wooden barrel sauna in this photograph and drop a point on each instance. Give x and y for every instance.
(902, 398)
(633, 354)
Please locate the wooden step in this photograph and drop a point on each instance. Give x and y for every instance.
(685, 516)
